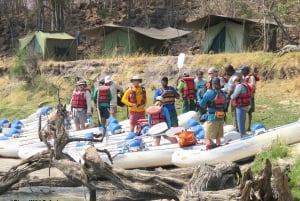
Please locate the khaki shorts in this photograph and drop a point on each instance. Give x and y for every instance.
(214, 129)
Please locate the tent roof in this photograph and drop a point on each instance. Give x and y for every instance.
(160, 34)
(211, 20)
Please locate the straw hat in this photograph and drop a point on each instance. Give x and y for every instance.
(136, 78)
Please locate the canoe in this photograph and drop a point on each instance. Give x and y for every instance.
(239, 149)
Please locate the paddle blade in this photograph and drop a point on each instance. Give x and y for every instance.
(180, 60)
(158, 128)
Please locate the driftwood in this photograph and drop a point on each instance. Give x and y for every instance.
(204, 182)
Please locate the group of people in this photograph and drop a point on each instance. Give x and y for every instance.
(211, 96)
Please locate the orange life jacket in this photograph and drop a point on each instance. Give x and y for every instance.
(103, 94)
(245, 98)
(78, 99)
(132, 96)
(189, 89)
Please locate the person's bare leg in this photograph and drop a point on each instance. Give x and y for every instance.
(156, 142)
(249, 120)
(173, 140)
(218, 141)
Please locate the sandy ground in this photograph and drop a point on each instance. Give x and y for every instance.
(7, 163)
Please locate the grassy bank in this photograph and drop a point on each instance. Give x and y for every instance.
(277, 94)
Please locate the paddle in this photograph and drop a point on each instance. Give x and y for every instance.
(180, 62)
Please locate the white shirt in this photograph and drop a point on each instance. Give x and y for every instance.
(114, 88)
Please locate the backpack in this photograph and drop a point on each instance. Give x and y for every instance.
(186, 138)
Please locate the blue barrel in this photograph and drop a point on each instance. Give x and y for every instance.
(45, 110)
(199, 131)
(114, 127)
(88, 136)
(135, 143)
(192, 122)
(112, 120)
(257, 126)
(130, 136)
(12, 131)
(145, 130)
(3, 121)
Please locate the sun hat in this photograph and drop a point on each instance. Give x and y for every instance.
(136, 77)
(107, 79)
(186, 74)
(80, 82)
(101, 80)
(212, 70)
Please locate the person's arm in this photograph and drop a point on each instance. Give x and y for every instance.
(204, 100)
(88, 99)
(236, 92)
(125, 98)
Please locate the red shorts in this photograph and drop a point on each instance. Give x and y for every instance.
(135, 116)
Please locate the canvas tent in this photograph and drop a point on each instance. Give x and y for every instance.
(126, 40)
(225, 34)
(56, 45)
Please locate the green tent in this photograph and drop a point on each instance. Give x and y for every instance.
(120, 40)
(225, 37)
(56, 45)
(230, 35)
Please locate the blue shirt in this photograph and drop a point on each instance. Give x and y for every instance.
(200, 86)
(158, 92)
(208, 97)
(165, 113)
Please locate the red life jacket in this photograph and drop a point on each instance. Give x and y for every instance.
(247, 78)
(103, 94)
(78, 99)
(132, 96)
(169, 96)
(243, 99)
(156, 115)
(189, 89)
(219, 100)
(141, 123)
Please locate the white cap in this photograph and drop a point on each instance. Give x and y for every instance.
(159, 98)
(107, 79)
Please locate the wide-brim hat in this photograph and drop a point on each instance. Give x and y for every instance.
(80, 82)
(212, 70)
(107, 79)
(136, 78)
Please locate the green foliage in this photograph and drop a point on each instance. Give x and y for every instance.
(26, 67)
(295, 179)
(17, 71)
(277, 150)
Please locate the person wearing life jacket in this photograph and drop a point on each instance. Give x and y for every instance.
(135, 98)
(158, 114)
(241, 98)
(215, 101)
(169, 95)
(213, 72)
(200, 86)
(251, 80)
(115, 88)
(81, 104)
(231, 73)
(186, 86)
(101, 98)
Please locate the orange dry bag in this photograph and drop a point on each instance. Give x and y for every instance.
(186, 138)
